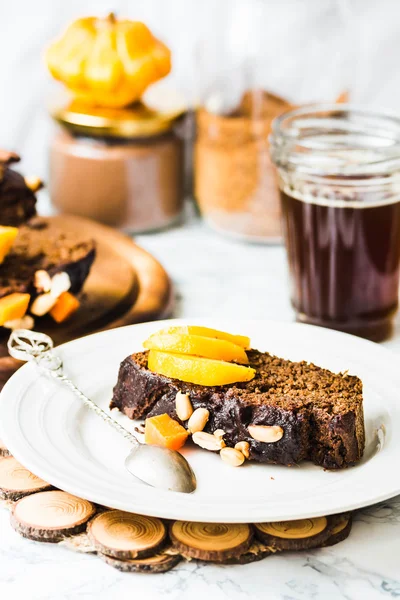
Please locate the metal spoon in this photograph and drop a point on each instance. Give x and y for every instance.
(158, 467)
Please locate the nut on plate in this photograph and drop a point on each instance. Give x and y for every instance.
(232, 457)
(208, 441)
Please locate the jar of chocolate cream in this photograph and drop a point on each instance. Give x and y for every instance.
(122, 167)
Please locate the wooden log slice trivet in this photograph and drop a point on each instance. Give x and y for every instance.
(16, 481)
(160, 563)
(51, 516)
(124, 535)
(340, 531)
(302, 534)
(3, 450)
(210, 541)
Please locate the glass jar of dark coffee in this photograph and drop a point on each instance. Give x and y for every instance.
(339, 177)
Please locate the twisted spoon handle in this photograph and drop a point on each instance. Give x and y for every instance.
(37, 347)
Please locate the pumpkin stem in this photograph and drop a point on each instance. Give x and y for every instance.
(111, 18)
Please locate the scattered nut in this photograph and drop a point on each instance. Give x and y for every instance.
(198, 420)
(42, 281)
(232, 457)
(219, 433)
(208, 441)
(183, 406)
(26, 322)
(60, 283)
(266, 433)
(244, 448)
(43, 304)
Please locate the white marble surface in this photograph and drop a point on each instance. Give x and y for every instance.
(217, 277)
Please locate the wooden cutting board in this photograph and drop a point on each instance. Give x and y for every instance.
(126, 285)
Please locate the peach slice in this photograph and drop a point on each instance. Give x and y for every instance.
(197, 345)
(201, 371)
(164, 431)
(239, 340)
(7, 237)
(13, 306)
(65, 306)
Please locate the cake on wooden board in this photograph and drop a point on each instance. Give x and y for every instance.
(40, 271)
(319, 412)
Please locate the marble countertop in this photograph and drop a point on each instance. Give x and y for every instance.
(219, 277)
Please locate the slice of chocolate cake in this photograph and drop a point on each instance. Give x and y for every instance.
(17, 199)
(35, 249)
(320, 413)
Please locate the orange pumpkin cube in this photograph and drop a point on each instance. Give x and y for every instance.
(164, 431)
(7, 237)
(13, 306)
(65, 306)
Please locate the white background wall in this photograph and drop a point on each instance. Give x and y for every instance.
(275, 29)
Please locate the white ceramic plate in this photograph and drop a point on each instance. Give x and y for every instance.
(52, 434)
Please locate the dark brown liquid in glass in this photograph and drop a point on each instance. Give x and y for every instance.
(344, 265)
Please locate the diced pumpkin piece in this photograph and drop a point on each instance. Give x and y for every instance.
(197, 345)
(164, 431)
(7, 237)
(65, 306)
(201, 371)
(239, 340)
(13, 306)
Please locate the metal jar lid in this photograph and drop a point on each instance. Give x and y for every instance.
(137, 121)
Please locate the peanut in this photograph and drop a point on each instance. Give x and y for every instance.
(208, 441)
(232, 457)
(183, 406)
(266, 433)
(198, 420)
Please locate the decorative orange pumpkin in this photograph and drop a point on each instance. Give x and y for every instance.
(107, 62)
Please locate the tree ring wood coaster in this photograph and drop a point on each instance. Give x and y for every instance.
(51, 516)
(160, 563)
(16, 481)
(210, 541)
(124, 535)
(341, 529)
(3, 450)
(302, 534)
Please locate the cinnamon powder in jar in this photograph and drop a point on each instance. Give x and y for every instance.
(235, 181)
(121, 167)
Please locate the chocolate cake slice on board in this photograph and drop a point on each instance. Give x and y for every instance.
(31, 260)
(320, 413)
(36, 249)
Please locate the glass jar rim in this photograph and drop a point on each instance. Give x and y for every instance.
(332, 140)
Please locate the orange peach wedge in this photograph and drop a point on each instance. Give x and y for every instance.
(13, 306)
(201, 371)
(7, 237)
(239, 340)
(197, 345)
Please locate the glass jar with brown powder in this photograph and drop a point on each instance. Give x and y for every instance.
(235, 180)
(122, 167)
(258, 61)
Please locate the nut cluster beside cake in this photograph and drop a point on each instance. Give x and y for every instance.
(267, 409)
(41, 272)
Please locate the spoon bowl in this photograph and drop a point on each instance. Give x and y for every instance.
(161, 468)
